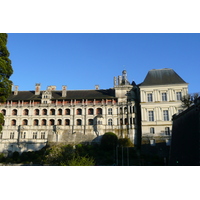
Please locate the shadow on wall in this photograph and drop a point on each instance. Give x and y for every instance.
(22, 147)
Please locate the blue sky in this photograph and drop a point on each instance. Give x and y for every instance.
(83, 60)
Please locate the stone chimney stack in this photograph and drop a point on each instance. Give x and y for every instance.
(37, 89)
(16, 89)
(64, 91)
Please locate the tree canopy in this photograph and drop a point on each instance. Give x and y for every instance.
(5, 72)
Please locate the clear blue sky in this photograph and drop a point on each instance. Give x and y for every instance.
(83, 60)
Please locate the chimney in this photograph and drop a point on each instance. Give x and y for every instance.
(119, 80)
(37, 89)
(64, 91)
(16, 90)
(96, 87)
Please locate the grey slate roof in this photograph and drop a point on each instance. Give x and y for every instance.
(71, 94)
(164, 76)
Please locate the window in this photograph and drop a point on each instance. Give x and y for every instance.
(44, 111)
(35, 122)
(90, 122)
(99, 111)
(99, 122)
(59, 122)
(52, 112)
(165, 115)
(110, 122)
(164, 96)
(152, 130)
(167, 131)
(3, 112)
(149, 97)
(67, 122)
(67, 112)
(79, 111)
(13, 122)
(23, 135)
(178, 96)
(78, 122)
(59, 111)
(42, 135)
(51, 122)
(36, 111)
(90, 111)
(12, 134)
(151, 116)
(34, 135)
(109, 111)
(44, 122)
(1, 135)
(14, 112)
(25, 112)
(25, 122)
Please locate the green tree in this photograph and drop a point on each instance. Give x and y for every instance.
(5, 72)
(109, 141)
(188, 100)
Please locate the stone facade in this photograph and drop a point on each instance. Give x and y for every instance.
(33, 118)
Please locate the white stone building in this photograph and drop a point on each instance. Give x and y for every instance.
(160, 96)
(34, 117)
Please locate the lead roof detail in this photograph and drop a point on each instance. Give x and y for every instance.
(162, 77)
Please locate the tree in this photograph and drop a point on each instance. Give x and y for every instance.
(5, 73)
(188, 100)
(109, 141)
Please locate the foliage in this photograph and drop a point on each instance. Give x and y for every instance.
(109, 141)
(59, 154)
(5, 72)
(81, 161)
(125, 142)
(188, 100)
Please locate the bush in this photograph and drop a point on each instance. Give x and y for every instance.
(109, 141)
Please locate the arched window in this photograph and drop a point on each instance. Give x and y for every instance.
(125, 110)
(44, 112)
(67, 111)
(3, 112)
(126, 121)
(25, 122)
(109, 111)
(36, 112)
(13, 122)
(78, 122)
(99, 111)
(90, 111)
(35, 122)
(52, 112)
(67, 122)
(79, 111)
(59, 122)
(120, 110)
(110, 122)
(60, 111)
(25, 112)
(51, 122)
(44, 122)
(14, 112)
(90, 122)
